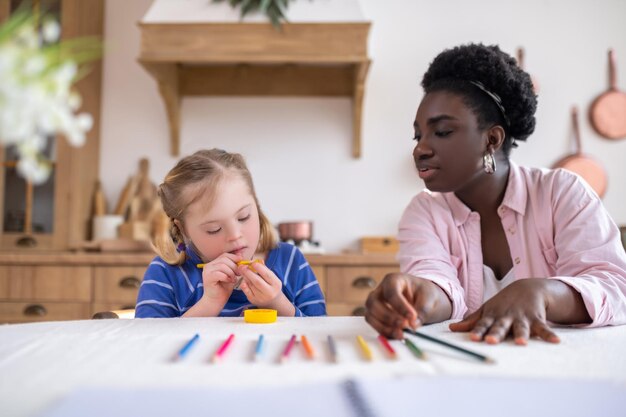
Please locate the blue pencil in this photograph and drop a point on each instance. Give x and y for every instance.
(183, 351)
(259, 348)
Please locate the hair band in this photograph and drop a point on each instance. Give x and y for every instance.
(496, 99)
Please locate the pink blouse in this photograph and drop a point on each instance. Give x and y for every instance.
(556, 227)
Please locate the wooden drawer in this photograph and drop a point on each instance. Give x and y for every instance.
(352, 284)
(118, 284)
(345, 309)
(51, 283)
(20, 312)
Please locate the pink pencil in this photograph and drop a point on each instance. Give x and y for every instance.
(288, 348)
(222, 350)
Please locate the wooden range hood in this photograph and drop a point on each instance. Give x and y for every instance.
(255, 59)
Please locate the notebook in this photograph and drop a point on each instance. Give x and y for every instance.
(397, 397)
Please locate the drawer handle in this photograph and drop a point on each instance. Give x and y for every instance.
(35, 310)
(364, 282)
(130, 282)
(359, 311)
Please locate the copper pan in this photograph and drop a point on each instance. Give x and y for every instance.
(608, 112)
(297, 231)
(585, 166)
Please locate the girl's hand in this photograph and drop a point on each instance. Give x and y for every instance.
(519, 310)
(219, 277)
(402, 300)
(260, 284)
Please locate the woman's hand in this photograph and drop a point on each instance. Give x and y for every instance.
(520, 310)
(402, 300)
(264, 289)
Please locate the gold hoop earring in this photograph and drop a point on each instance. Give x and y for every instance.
(489, 162)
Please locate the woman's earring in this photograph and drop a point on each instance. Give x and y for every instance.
(489, 162)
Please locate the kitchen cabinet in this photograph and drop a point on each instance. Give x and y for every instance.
(44, 286)
(348, 279)
(48, 286)
(56, 215)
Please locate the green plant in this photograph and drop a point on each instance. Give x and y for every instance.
(273, 9)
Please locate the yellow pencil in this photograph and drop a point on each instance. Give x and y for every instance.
(367, 352)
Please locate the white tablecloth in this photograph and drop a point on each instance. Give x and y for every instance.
(41, 363)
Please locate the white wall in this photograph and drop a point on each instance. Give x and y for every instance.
(298, 149)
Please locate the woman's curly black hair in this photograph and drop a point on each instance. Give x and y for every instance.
(458, 69)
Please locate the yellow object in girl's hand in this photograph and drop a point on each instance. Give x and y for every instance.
(249, 263)
(238, 263)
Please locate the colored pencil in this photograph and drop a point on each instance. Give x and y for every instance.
(476, 355)
(183, 351)
(288, 347)
(413, 348)
(332, 347)
(383, 341)
(222, 349)
(365, 348)
(310, 352)
(259, 348)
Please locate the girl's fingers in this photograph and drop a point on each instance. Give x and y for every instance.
(260, 270)
(219, 272)
(254, 280)
(247, 290)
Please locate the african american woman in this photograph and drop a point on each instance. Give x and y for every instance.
(505, 249)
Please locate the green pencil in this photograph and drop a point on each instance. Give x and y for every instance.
(413, 348)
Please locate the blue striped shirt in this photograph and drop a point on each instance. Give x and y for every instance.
(170, 290)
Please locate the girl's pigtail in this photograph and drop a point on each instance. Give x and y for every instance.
(166, 241)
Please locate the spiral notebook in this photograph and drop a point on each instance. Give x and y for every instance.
(407, 396)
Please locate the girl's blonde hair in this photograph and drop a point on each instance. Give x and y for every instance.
(194, 176)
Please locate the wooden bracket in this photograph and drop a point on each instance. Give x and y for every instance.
(167, 78)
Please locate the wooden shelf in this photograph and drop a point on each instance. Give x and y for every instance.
(254, 59)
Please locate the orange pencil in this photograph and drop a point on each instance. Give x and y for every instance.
(307, 347)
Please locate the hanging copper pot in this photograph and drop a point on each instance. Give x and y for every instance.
(586, 167)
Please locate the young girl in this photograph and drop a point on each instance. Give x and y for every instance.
(508, 249)
(215, 220)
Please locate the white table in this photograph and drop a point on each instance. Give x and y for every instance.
(41, 363)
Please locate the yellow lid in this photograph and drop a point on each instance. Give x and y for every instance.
(259, 315)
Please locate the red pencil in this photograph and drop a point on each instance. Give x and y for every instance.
(288, 348)
(222, 349)
(387, 345)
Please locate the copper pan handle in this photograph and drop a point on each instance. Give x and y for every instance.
(579, 148)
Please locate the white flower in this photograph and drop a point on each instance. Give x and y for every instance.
(36, 100)
(51, 31)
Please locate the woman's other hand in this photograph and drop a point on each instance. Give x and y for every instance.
(402, 300)
(522, 310)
